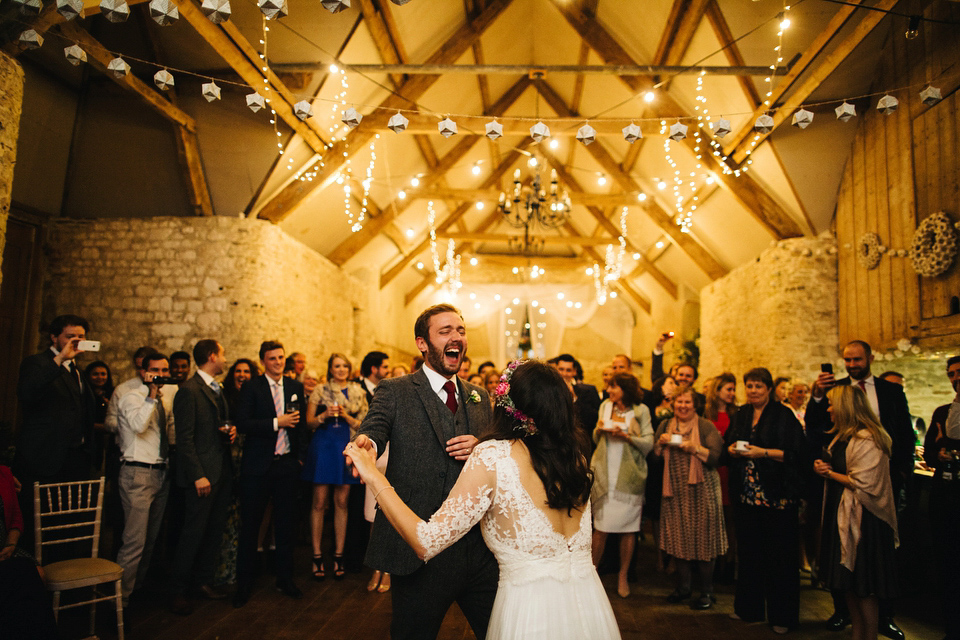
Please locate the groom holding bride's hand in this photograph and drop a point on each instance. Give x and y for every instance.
(432, 420)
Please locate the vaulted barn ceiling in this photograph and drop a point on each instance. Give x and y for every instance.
(518, 61)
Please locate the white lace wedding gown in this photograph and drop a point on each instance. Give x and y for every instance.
(548, 586)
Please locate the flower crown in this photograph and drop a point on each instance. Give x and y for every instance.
(524, 422)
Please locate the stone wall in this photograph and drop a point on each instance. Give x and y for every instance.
(779, 312)
(169, 282)
(11, 88)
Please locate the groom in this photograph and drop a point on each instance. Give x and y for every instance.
(431, 420)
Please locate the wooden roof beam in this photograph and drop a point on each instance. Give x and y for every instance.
(730, 49)
(405, 97)
(514, 237)
(493, 195)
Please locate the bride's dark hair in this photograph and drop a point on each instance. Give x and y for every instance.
(558, 449)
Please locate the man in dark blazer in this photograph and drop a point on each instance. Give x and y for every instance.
(271, 413)
(890, 404)
(374, 368)
(586, 399)
(55, 441)
(205, 470)
(432, 421)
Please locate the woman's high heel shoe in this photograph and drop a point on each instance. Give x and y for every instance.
(384, 583)
(338, 572)
(375, 579)
(318, 573)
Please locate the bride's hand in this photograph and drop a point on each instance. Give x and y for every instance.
(363, 459)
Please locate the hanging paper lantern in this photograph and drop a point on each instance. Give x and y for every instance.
(586, 134)
(164, 12)
(802, 118)
(539, 131)
(930, 96)
(74, 54)
(764, 124)
(335, 6)
(494, 130)
(678, 131)
(115, 10)
(217, 11)
(721, 127)
(397, 122)
(273, 9)
(351, 117)
(887, 105)
(845, 111)
(303, 110)
(632, 133)
(447, 127)
(69, 9)
(210, 91)
(163, 79)
(29, 7)
(255, 101)
(118, 67)
(30, 39)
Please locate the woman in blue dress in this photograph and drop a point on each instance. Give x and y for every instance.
(334, 411)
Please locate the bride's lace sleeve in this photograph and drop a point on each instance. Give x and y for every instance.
(469, 499)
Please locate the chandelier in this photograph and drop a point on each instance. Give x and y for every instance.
(531, 205)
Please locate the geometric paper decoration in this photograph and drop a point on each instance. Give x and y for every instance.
(69, 9)
(217, 11)
(255, 101)
(273, 9)
(164, 12)
(397, 122)
(887, 105)
(447, 127)
(75, 55)
(335, 6)
(845, 111)
(678, 131)
(163, 79)
(118, 67)
(539, 131)
(351, 117)
(721, 128)
(631, 133)
(764, 124)
(210, 91)
(28, 7)
(494, 130)
(115, 10)
(586, 134)
(303, 109)
(802, 118)
(30, 39)
(930, 96)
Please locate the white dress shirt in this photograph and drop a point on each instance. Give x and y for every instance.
(437, 381)
(138, 430)
(870, 387)
(111, 421)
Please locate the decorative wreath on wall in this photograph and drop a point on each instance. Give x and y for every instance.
(869, 251)
(934, 245)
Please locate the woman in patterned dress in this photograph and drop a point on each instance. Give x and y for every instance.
(691, 512)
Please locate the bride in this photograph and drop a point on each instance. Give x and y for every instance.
(528, 485)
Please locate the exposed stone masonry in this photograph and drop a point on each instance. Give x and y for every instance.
(11, 90)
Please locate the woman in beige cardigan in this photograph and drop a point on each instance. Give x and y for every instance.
(624, 436)
(859, 519)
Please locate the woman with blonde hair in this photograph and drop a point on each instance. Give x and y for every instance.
(721, 406)
(859, 518)
(334, 410)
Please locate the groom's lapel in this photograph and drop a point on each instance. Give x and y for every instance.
(431, 402)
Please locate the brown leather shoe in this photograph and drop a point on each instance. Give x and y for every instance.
(211, 592)
(180, 605)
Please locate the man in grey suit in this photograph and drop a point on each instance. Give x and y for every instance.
(432, 421)
(205, 470)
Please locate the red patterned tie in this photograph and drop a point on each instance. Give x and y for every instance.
(451, 396)
(863, 385)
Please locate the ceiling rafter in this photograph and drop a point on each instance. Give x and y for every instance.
(283, 203)
(357, 241)
(751, 194)
(730, 49)
(741, 143)
(493, 195)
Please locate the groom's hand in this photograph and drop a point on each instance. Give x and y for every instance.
(461, 447)
(366, 444)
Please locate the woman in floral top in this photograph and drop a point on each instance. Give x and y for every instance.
(764, 448)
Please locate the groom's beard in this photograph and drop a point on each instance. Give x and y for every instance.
(438, 362)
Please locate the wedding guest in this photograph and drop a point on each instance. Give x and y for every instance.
(797, 399)
(624, 436)
(691, 513)
(660, 404)
(475, 379)
(334, 411)
(721, 407)
(310, 381)
(101, 382)
(765, 450)
(180, 366)
(399, 370)
(781, 388)
(859, 517)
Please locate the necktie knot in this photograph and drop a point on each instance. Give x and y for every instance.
(451, 400)
(863, 385)
(215, 386)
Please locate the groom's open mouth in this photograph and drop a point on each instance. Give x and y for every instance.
(451, 356)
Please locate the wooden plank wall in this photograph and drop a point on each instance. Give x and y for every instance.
(902, 168)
